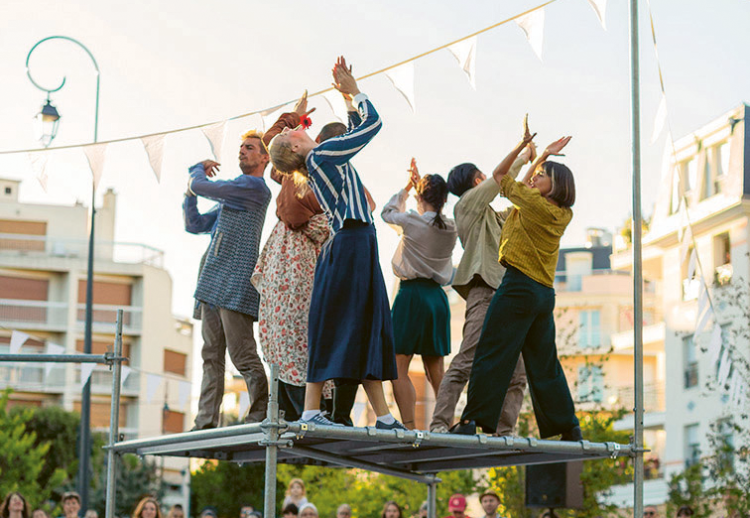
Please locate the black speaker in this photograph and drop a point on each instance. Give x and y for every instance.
(554, 486)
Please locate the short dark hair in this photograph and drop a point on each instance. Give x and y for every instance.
(461, 178)
(290, 508)
(71, 495)
(330, 130)
(563, 184)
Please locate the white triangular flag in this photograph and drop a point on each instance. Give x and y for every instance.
(714, 346)
(691, 264)
(402, 78)
(600, 8)
(86, 370)
(95, 155)
(124, 373)
(17, 339)
(244, 405)
(152, 385)
(660, 120)
(465, 53)
(38, 161)
(154, 146)
(270, 115)
(51, 348)
(214, 133)
(724, 368)
(687, 240)
(337, 104)
(702, 298)
(703, 321)
(183, 393)
(532, 25)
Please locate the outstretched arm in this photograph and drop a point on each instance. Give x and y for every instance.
(551, 150)
(503, 167)
(195, 222)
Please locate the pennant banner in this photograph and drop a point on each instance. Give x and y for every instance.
(154, 146)
(600, 8)
(703, 321)
(465, 53)
(660, 120)
(402, 78)
(86, 370)
(702, 298)
(214, 133)
(714, 346)
(183, 393)
(532, 25)
(687, 240)
(338, 105)
(17, 339)
(691, 264)
(95, 155)
(724, 368)
(124, 374)
(39, 167)
(51, 348)
(272, 114)
(152, 385)
(244, 405)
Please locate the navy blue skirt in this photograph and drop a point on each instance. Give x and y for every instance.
(350, 333)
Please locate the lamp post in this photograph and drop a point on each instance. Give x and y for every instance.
(51, 117)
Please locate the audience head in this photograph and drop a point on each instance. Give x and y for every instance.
(148, 507)
(176, 511)
(464, 177)
(14, 503)
(40, 513)
(650, 511)
(208, 512)
(490, 502)
(308, 510)
(71, 503)
(685, 511)
(246, 511)
(457, 505)
(290, 511)
(391, 510)
(433, 190)
(253, 154)
(330, 130)
(422, 513)
(296, 489)
(344, 511)
(91, 513)
(555, 181)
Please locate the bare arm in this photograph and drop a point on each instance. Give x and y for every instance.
(504, 166)
(551, 150)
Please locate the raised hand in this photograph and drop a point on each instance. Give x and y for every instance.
(413, 175)
(527, 136)
(301, 107)
(211, 167)
(343, 79)
(557, 146)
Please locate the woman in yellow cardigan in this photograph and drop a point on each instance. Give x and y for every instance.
(519, 319)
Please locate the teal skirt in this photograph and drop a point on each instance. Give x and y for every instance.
(421, 319)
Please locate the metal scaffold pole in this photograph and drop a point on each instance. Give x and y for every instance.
(271, 431)
(635, 113)
(114, 421)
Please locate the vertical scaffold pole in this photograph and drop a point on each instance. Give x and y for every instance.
(271, 439)
(635, 113)
(114, 421)
(432, 498)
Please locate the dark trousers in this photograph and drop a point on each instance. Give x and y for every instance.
(292, 401)
(344, 394)
(520, 321)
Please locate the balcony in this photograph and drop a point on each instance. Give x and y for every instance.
(31, 377)
(104, 318)
(15, 245)
(624, 397)
(33, 314)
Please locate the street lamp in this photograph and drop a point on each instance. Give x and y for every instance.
(47, 123)
(49, 115)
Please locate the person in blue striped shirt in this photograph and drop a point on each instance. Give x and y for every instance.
(350, 332)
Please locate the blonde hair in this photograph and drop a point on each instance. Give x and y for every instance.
(285, 160)
(295, 481)
(139, 508)
(259, 135)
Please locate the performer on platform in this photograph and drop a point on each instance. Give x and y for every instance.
(423, 262)
(350, 329)
(520, 317)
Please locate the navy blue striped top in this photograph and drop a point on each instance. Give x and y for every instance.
(333, 179)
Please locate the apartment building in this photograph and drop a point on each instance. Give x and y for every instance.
(709, 186)
(43, 271)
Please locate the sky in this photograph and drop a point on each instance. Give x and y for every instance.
(167, 65)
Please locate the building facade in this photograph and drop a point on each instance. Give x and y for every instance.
(43, 271)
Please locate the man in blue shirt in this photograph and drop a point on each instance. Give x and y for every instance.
(228, 300)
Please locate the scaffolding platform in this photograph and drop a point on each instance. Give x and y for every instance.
(414, 455)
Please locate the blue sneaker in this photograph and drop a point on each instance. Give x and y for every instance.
(319, 419)
(393, 426)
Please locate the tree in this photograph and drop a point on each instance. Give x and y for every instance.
(21, 459)
(227, 486)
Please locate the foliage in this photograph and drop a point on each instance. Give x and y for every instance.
(688, 488)
(136, 478)
(227, 486)
(22, 460)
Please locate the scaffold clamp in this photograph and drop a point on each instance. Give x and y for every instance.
(418, 440)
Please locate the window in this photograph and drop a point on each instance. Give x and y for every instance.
(723, 159)
(722, 259)
(692, 445)
(725, 443)
(690, 173)
(589, 333)
(590, 383)
(175, 362)
(8, 191)
(174, 422)
(689, 362)
(710, 186)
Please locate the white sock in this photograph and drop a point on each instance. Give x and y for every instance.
(309, 414)
(387, 419)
